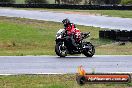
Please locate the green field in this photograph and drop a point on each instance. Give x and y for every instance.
(31, 37)
(20, 1)
(50, 81)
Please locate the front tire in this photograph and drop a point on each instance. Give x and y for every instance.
(89, 52)
(60, 49)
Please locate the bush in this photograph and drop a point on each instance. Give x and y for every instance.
(36, 1)
(7, 1)
(126, 2)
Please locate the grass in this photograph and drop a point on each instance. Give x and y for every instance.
(20, 1)
(50, 81)
(20, 37)
(115, 47)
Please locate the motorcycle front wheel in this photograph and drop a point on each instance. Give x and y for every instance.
(60, 49)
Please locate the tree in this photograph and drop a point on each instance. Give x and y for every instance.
(76, 1)
(86, 2)
(71, 1)
(7, 1)
(105, 1)
(112, 1)
(64, 1)
(126, 2)
(36, 1)
(57, 1)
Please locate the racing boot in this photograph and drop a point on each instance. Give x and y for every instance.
(74, 44)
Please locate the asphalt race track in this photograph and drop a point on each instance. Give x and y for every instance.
(54, 64)
(87, 20)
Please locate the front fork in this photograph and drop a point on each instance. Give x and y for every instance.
(86, 46)
(63, 44)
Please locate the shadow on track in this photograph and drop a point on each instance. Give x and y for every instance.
(75, 57)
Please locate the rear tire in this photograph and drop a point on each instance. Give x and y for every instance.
(59, 51)
(89, 52)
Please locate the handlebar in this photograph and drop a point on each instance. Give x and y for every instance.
(85, 35)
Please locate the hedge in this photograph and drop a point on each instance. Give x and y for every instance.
(64, 6)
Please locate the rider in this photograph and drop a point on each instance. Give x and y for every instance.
(72, 31)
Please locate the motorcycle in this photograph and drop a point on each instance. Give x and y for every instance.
(64, 46)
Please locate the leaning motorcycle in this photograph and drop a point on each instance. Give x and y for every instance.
(64, 46)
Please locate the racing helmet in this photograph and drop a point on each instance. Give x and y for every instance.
(66, 21)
